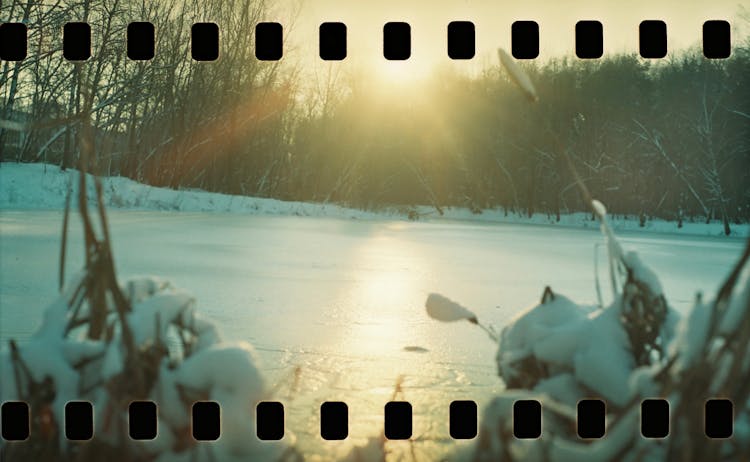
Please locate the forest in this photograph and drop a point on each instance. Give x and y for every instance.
(665, 138)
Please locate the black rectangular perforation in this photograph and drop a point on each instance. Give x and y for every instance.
(716, 39)
(591, 418)
(652, 39)
(204, 41)
(206, 420)
(77, 41)
(13, 41)
(334, 420)
(589, 39)
(142, 420)
(719, 418)
(397, 41)
(524, 39)
(15, 420)
(269, 41)
(461, 40)
(398, 424)
(141, 38)
(527, 419)
(655, 418)
(79, 420)
(463, 420)
(269, 421)
(332, 41)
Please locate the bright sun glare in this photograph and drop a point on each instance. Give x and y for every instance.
(404, 72)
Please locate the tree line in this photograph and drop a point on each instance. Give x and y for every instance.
(667, 138)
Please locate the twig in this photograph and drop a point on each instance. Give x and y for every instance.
(596, 274)
(65, 235)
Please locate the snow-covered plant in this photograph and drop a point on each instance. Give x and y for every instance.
(710, 358)
(182, 358)
(559, 352)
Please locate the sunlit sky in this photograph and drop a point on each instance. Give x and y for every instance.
(492, 19)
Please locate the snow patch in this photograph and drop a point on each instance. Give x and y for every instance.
(44, 186)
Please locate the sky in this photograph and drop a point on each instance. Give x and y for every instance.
(492, 19)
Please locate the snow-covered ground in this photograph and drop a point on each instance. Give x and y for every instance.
(43, 186)
(334, 306)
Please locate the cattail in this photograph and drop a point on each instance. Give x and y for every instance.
(518, 75)
(446, 310)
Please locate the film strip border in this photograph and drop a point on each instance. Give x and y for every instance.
(205, 40)
(334, 420)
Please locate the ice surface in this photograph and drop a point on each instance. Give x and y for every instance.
(342, 298)
(339, 298)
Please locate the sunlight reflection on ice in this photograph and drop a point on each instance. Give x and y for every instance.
(385, 301)
(340, 300)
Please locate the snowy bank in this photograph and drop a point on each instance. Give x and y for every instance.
(44, 186)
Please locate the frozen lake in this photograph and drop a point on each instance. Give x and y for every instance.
(338, 300)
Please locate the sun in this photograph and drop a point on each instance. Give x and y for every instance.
(406, 72)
